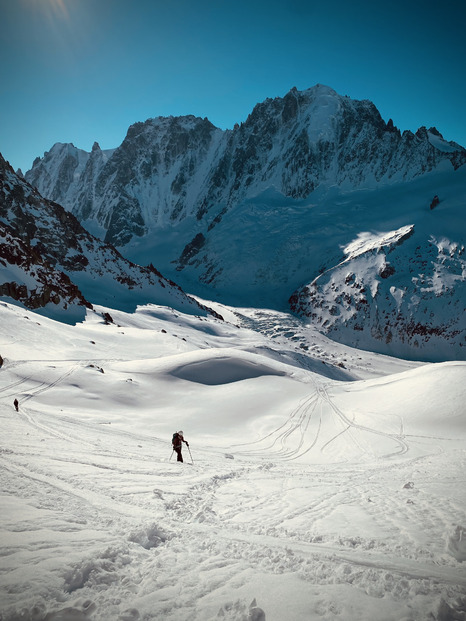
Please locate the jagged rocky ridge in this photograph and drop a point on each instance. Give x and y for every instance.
(47, 259)
(169, 168)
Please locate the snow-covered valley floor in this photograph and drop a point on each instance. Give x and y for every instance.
(320, 482)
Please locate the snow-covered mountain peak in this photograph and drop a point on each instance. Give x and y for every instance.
(321, 90)
(314, 105)
(437, 140)
(163, 124)
(63, 150)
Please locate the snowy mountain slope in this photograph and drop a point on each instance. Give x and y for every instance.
(155, 177)
(97, 269)
(409, 298)
(399, 290)
(308, 498)
(66, 166)
(28, 279)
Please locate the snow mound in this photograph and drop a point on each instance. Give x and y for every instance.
(428, 399)
(68, 613)
(238, 611)
(148, 537)
(97, 572)
(224, 370)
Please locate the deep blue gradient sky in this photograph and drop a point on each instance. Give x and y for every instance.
(84, 70)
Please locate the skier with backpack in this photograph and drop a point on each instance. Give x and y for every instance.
(177, 441)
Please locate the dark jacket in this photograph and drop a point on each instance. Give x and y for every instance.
(177, 441)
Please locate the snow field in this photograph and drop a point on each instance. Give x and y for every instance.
(308, 498)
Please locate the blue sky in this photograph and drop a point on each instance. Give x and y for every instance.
(84, 70)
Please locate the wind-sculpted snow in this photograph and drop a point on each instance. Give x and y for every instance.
(301, 497)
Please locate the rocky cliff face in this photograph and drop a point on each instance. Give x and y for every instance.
(170, 168)
(48, 258)
(156, 176)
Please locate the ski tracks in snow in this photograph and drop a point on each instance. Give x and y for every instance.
(274, 531)
(132, 536)
(178, 540)
(316, 426)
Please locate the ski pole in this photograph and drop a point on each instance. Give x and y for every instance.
(190, 455)
(173, 450)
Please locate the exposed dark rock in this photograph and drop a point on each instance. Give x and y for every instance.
(191, 250)
(435, 202)
(387, 271)
(107, 318)
(48, 284)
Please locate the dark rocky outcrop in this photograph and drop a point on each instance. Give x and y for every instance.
(36, 283)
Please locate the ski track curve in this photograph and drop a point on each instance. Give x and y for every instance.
(302, 431)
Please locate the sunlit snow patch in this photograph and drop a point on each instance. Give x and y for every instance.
(365, 242)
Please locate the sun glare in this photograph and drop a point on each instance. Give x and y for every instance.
(53, 8)
(59, 6)
(63, 28)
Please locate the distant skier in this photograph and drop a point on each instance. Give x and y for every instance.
(16, 404)
(177, 441)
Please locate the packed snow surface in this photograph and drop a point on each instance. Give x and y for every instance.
(320, 482)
